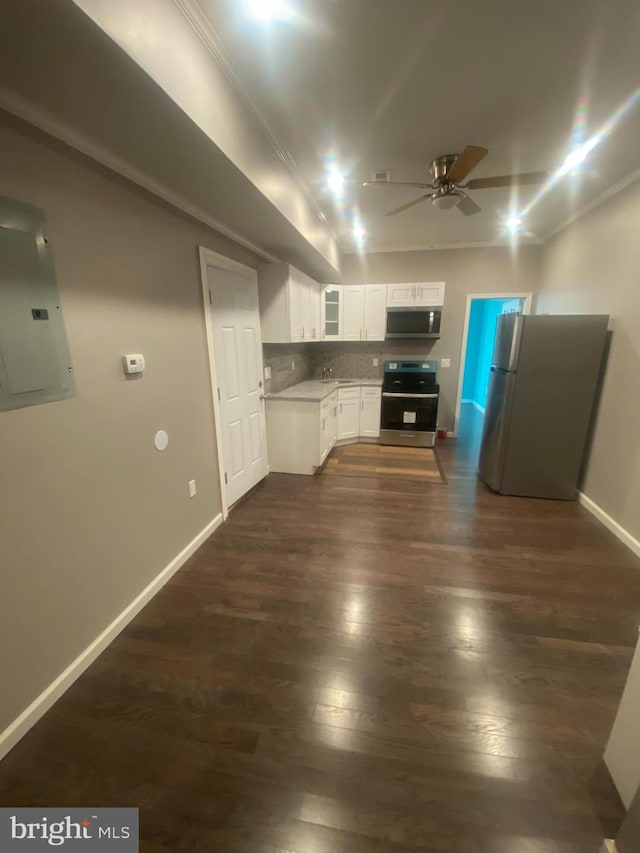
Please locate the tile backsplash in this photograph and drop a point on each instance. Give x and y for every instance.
(280, 358)
(346, 359)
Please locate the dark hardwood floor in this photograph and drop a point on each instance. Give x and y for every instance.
(354, 664)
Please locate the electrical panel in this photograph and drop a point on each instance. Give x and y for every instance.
(35, 364)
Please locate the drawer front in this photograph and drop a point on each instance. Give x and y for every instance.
(370, 391)
(348, 393)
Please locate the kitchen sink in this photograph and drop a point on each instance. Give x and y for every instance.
(337, 381)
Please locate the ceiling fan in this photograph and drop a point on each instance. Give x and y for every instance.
(447, 189)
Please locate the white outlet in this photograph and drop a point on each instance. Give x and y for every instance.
(375, 362)
(445, 362)
(192, 488)
(293, 365)
(267, 372)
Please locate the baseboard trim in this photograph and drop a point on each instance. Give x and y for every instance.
(610, 523)
(30, 716)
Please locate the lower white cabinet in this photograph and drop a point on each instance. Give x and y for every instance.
(348, 413)
(300, 433)
(328, 428)
(370, 400)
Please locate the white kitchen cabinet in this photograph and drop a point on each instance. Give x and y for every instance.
(348, 413)
(328, 428)
(400, 295)
(300, 433)
(364, 312)
(410, 294)
(375, 312)
(332, 313)
(289, 304)
(370, 401)
(353, 313)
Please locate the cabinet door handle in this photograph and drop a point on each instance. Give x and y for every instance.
(340, 408)
(362, 406)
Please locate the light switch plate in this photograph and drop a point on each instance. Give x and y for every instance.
(192, 488)
(445, 362)
(267, 372)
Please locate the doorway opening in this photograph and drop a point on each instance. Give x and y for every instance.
(479, 332)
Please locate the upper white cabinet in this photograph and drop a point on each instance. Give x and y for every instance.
(332, 313)
(289, 305)
(364, 312)
(408, 294)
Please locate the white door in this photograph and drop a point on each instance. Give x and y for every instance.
(238, 357)
(353, 312)
(375, 312)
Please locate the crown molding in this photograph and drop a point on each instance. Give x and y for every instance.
(207, 34)
(494, 244)
(32, 114)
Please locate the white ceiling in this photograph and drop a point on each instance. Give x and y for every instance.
(391, 84)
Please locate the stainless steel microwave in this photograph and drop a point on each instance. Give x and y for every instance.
(413, 322)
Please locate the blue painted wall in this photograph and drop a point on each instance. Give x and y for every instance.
(482, 330)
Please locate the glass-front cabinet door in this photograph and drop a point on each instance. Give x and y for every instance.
(332, 312)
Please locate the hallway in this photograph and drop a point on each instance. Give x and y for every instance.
(354, 664)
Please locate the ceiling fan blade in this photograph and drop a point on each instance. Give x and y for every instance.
(410, 204)
(508, 181)
(468, 206)
(397, 184)
(465, 162)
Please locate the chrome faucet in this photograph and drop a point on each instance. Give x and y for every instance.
(326, 371)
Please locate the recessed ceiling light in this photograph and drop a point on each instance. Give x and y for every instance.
(269, 10)
(513, 223)
(358, 233)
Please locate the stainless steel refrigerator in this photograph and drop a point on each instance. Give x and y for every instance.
(542, 387)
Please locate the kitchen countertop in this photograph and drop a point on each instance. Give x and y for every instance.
(313, 390)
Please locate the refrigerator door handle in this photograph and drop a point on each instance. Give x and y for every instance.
(496, 426)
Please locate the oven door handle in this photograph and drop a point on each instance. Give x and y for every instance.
(409, 396)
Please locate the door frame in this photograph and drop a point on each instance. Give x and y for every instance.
(210, 258)
(510, 294)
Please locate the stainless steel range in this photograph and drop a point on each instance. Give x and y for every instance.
(409, 403)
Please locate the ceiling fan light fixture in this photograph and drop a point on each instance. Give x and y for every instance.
(445, 201)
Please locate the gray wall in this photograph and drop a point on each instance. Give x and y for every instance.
(90, 512)
(594, 267)
(490, 270)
